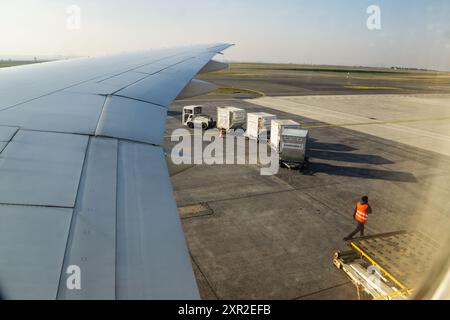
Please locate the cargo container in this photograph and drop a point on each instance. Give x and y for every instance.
(230, 118)
(259, 125)
(277, 127)
(292, 147)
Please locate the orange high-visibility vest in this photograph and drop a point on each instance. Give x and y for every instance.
(361, 212)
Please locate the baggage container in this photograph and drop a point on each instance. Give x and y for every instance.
(230, 118)
(259, 125)
(293, 146)
(277, 127)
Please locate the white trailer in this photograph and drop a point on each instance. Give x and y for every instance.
(230, 118)
(276, 129)
(259, 125)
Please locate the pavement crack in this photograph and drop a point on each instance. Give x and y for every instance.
(323, 290)
(216, 296)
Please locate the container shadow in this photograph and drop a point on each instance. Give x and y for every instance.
(365, 173)
(314, 145)
(348, 157)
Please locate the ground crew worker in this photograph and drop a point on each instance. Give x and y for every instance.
(222, 133)
(360, 215)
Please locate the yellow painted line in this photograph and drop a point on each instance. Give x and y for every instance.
(393, 295)
(343, 125)
(370, 77)
(262, 94)
(239, 74)
(373, 122)
(372, 88)
(327, 125)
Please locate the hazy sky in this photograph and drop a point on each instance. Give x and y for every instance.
(413, 33)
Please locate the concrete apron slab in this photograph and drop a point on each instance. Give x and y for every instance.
(391, 117)
(263, 250)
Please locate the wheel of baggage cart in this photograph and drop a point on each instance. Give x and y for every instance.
(305, 163)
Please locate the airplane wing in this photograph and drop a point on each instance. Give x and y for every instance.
(83, 178)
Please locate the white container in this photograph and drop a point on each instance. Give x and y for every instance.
(293, 145)
(230, 118)
(277, 127)
(259, 125)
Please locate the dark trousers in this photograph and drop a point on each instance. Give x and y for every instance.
(359, 228)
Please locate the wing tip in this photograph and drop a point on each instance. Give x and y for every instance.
(220, 47)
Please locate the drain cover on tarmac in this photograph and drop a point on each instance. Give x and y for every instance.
(195, 210)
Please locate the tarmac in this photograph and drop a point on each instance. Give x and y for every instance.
(419, 120)
(273, 237)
